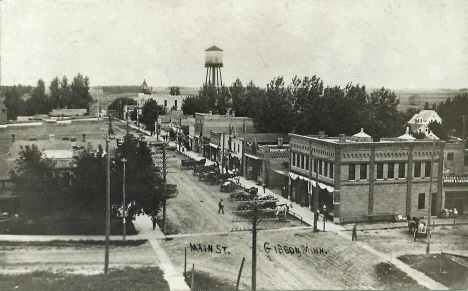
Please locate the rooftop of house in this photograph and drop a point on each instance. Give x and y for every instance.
(68, 112)
(425, 115)
(58, 154)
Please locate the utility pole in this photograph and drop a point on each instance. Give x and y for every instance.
(428, 227)
(463, 128)
(222, 157)
(97, 101)
(164, 165)
(315, 208)
(124, 206)
(106, 257)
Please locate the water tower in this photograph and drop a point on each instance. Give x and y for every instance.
(213, 65)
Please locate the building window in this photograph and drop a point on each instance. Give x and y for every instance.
(320, 167)
(379, 171)
(303, 162)
(352, 172)
(422, 201)
(294, 159)
(175, 103)
(165, 103)
(417, 169)
(450, 156)
(401, 170)
(391, 171)
(363, 172)
(427, 169)
(325, 170)
(331, 171)
(307, 163)
(298, 160)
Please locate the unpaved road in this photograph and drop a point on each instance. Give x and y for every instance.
(195, 209)
(71, 257)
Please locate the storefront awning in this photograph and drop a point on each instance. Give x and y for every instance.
(312, 183)
(281, 172)
(252, 157)
(213, 145)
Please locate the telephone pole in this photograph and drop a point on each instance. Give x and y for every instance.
(428, 228)
(124, 160)
(106, 257)
(164, 165)
(315, 208)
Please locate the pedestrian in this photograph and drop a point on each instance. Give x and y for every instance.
(354, 232)
(221, 206)
(264, 186)
(282, 192)
(153, 218)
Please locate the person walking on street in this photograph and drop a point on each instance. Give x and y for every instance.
(354, 232)
(153, 218)
(325, 212)
(221, 206)
(264, 186)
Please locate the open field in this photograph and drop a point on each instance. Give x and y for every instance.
(431, 96)
(83, 257)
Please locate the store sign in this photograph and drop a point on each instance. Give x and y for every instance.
(455, 180)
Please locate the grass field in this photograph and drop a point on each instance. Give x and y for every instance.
(453, 275)
(146, 278)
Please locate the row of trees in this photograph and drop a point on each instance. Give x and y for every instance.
(304, 106)
(120, 89)
(62, 95)
(42, 194)
(174, 91)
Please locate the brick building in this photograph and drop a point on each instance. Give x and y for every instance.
(359, 179)
(228, 124)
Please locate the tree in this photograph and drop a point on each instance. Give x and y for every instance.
(150, 112)
(80, 96)
(14, 103)
(144, 192)
(55, 93)
(89, 182)
(273, 109)
(39, 102)
(65, 93)
(308, 104)
(438, 129)
(191, 105)
(37, 191)
(384, 118)
(174, 91)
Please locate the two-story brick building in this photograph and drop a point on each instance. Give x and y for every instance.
(359, 179)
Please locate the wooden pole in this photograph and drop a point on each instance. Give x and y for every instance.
(185, 262)
(193, 276)
(240, 272)
(254, 247)
(316, 196)
(123, 204)
(106, 257)
(428, 227)
(164, 161)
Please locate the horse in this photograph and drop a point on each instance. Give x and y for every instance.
(283, 208)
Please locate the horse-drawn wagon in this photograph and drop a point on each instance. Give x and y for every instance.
(191, 163)
(417, 227)
(171, 190)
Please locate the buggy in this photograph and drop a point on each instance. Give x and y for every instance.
(171, 190)
(228, 186)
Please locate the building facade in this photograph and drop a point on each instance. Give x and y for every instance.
(358, 179)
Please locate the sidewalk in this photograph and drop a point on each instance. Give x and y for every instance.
(175, 280)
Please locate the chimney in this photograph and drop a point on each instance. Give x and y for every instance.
(233, 113)
(12, 138)
(280, 141)
(211, 112)
(321, 134)
(51, 137)
(342, 138)
(84, 137)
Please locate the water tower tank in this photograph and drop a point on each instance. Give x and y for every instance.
(214, 57)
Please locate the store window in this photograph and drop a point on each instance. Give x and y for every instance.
(352, 172)
(422, 201)
(417, 169)
(379, 170)
(391, 171)
(401, 170)
(363, 172)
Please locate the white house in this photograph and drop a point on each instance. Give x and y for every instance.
(420, 122)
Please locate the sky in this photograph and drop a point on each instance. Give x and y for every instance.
(396, 44)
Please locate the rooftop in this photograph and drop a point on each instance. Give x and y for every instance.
(213, 48)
